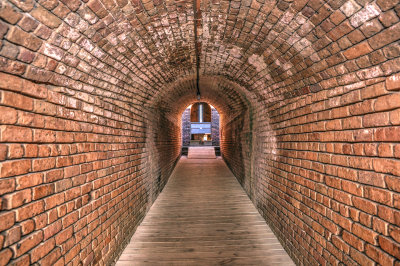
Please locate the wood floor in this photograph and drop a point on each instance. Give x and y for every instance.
(203, 217)
(201, 153)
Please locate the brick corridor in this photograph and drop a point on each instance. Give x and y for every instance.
(92, 97)
(203, 217)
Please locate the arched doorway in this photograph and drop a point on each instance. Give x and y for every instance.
(200, 125)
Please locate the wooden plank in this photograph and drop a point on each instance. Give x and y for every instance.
(203, 217)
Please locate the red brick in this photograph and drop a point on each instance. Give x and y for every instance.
(29, 180)
(20, 37)
(55, 174)
(393, 183)
(43, 164)
(378, 255)
(385, 37)
(342, 221)
(7, 185)
(46, 17)
(9, 115)
(393, 82)
(3, 152)
(42, 191)
(12, 235)
(21, 261)
(13, 168)
(353, 241)
(70, 219)
(388, 214)
(352, 187)
(44, 136)
(27, 243)
(390, 246)
(16, 199)
(7, 220)
(72, 253)
(52, 229)
(360, 257)
(16, 100)
(385, 150)
(42, 250)
(371, 178)
(30, 119)
(51, 258)
(72, 4)
(31, 150)
(358, 50)
(5, 256)
(15, 151)
(54, 200)
(387, 102)
(365, 205)
(27, 227)
(380, 195)
(394, 232)
(9, 14)
(64, 235)
(395, 117)
(15, 134)
(376, 119)
(365, 233)
(387, 166)
(29, 211)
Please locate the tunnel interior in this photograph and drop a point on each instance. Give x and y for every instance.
(92, 94)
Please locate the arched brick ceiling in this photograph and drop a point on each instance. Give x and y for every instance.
(275, 49)
(227, 97)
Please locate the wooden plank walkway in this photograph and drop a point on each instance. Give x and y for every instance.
(203, 217)
(201, 153)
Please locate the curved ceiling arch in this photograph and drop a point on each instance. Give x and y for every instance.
(226, 96)
(275, 49)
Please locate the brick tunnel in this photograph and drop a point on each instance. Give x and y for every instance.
(92, 95)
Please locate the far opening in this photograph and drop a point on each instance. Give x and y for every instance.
(200, 125)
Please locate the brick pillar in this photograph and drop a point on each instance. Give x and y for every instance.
(214, 126)
(186, 127)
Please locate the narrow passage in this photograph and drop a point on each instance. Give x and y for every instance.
(203, 217)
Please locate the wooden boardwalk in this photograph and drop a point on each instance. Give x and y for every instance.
(201, 153)
(203, 217)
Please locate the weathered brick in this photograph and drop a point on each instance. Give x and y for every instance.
(28, 180)
(20, 37)
(358, 50)
(5, 256)
(16, 100)
(27, 243)
(16, 199)
(29, 210)
(7, 220)
(13, 168)
(393, 82)
(46, 17)
(385, 37)
(387, 102)
(390, 246)
(7, 185)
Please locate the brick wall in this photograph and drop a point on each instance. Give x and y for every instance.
(78, 173)
(323, 170)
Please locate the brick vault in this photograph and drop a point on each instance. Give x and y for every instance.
(92, 93)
